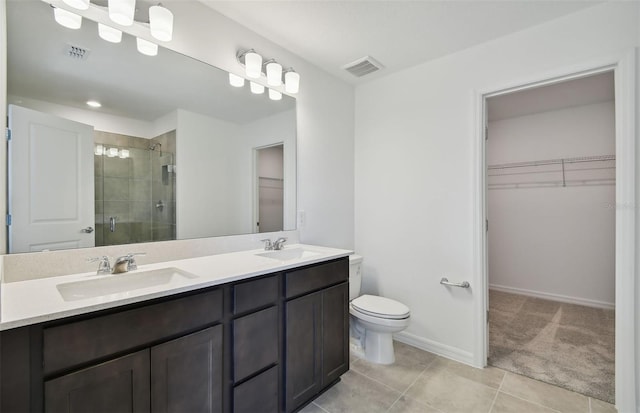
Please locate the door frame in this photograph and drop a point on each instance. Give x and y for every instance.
(624, 68)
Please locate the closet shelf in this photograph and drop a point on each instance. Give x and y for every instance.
(585, 170)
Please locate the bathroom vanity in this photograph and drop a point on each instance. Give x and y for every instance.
(268, 339)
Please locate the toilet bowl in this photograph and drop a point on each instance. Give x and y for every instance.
(373, 319)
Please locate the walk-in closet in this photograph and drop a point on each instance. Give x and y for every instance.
(551, 171)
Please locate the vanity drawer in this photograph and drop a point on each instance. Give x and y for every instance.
(79, 342)
(314, 278)
(255, 342)
(254, 294)
(260, 394)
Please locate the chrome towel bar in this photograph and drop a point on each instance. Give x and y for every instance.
(464, 284)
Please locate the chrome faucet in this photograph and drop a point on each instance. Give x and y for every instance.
(273, 245)
(126, 263)
(279, 243)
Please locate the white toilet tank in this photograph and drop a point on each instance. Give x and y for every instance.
(355, 275)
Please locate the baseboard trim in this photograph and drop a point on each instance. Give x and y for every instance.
(434, 347)
(554, 297)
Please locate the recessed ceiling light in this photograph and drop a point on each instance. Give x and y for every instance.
(94, 104)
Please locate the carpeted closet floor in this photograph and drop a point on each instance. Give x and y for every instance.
(567, 345)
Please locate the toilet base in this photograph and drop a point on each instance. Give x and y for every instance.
(378, 347)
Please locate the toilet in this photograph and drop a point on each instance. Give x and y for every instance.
(373, 319)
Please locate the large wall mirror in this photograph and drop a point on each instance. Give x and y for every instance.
(174, 152)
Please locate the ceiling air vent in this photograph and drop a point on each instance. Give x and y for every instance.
(76, 52)
(363, 66)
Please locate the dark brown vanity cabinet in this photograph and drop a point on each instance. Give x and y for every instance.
(268, 344)
(317, 330)
(181, 375)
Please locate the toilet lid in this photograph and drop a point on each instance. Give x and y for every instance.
(380, 307)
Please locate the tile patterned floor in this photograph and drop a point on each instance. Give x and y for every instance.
(423, 382)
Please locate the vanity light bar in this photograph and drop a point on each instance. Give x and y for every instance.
(256, 67)
(69, 13)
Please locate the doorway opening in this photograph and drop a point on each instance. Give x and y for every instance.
(269, 188)
(550, 200)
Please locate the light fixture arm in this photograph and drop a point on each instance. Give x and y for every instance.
(241, 54)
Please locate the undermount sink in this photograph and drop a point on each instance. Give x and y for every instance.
(289, 254)
(114, 284)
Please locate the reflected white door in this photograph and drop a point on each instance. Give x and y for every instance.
(51, 182)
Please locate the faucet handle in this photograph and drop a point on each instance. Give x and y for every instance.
(133, 265)
(268, 245)
(104, 266)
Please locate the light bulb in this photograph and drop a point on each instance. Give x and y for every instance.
(274, 95)
(253, 64)
(112, 152)
(256, 88)
(235, 80)
(99, 150)
(78, 4)
(291, 82)
(147, 48)
(122, 11)
(109, 33)
(161, 23)
(274, 74)
(123, 153)
(67, 19)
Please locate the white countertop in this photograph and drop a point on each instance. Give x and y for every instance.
(35, 301)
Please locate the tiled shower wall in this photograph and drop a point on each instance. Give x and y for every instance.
(163, 194)
(124, 188)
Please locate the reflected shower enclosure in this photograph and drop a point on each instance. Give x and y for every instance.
(135, 188)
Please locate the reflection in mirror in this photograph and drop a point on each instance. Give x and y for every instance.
(173, 152)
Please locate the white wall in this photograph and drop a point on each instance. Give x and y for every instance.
(415, 167)
(554, 242)
(203, 178)
(260, 133)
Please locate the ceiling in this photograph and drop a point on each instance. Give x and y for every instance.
(587, 90)
(397, 33)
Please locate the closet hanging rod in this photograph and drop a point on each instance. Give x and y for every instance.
(599, 158)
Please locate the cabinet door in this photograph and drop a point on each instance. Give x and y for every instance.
(335, 332)
(303, 341)
(186, 373)
(120, 385)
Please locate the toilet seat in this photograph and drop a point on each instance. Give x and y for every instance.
(380, 307)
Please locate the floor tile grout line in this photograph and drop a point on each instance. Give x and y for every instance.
(376, 380)
(493, 402)
(320, 407)
(411, 385)
(531, 401)
(407, 389)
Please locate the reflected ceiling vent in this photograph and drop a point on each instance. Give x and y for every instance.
(76, 52)
(363, 66)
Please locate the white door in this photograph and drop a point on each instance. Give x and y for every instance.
(51, 194)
